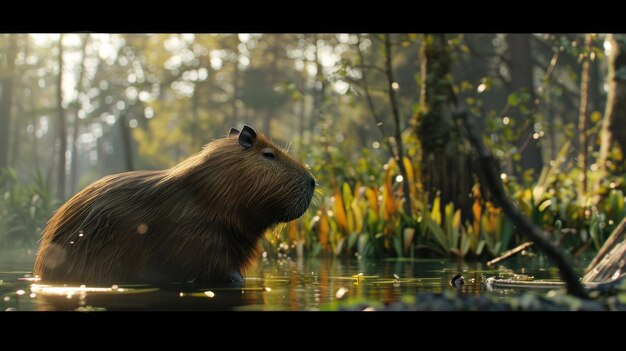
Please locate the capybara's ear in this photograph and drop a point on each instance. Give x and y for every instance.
(247, 137)
(233, 131)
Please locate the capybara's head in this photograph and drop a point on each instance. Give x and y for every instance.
(251, 180)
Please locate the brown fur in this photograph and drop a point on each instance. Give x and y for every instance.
(200, 219)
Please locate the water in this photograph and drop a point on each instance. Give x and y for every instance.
(289, 284)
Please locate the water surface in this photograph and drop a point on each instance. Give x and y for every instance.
(287, 284)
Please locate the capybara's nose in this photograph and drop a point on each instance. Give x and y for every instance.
(312, 183)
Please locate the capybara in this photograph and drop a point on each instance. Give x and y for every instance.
(199, 221)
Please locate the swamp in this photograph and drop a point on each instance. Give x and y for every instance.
(443, 172)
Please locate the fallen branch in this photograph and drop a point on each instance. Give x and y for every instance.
(509, 253)
(490, 179)
(615, 238)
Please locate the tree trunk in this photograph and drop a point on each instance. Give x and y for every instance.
(17, 129)
(582, 124)
(236, 115)
(445, 165)
(408, 209)
(196, 138)
(128, 143)
(32, 115)
(267, 121)
(319, 91)
(522, 78)
(76, 134)
(61, 127)
(19, 112)
(6, 88)
(615, 112)
(301, 124)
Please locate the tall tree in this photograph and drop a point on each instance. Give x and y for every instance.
(61, 125)
(615, 112)
(446, 163)
(583, 142)
(129, 164)
(273, 70)
(397, 128)
(520, 67)
(235, 113)
(77, 124)
(6, 86)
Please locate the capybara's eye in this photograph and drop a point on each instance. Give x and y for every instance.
(268, 153)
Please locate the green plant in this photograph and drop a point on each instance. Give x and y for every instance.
(24, 209)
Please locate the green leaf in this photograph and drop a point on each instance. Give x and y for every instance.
(480, 247)
(397, 245)
(513, 99)
(507, 233)
(352, 240)
(362, 245)
(496, 248)
(437, 232)
(465, 243)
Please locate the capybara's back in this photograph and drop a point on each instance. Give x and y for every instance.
(200, 220)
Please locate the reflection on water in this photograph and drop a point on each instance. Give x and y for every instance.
(290, 284)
